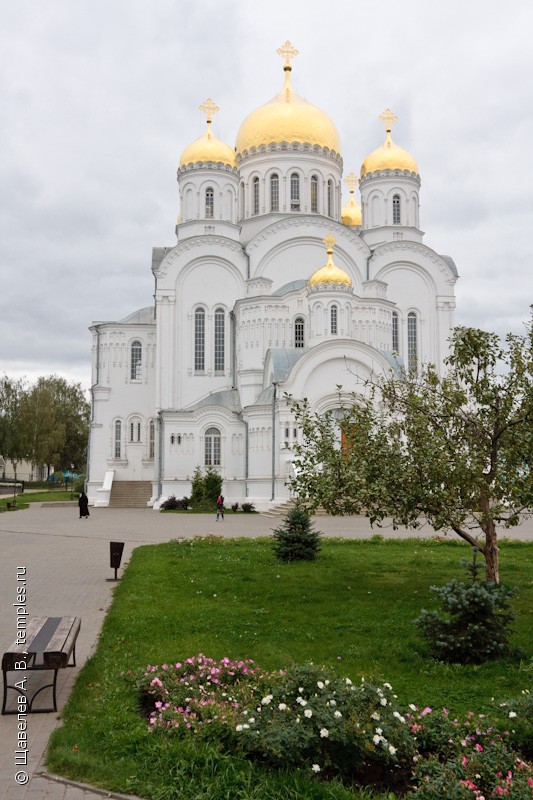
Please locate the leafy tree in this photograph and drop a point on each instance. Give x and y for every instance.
(12, 433)
(56, 420)
(205, 488)
(453, 451)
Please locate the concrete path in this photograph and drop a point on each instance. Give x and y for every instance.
(67, 567)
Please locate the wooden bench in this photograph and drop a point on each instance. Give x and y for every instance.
(50, 642)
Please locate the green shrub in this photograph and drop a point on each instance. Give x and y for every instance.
(248, 508)
(475, 628)
(205, 489)
(296, 539)
(175, 504)
(235, 507)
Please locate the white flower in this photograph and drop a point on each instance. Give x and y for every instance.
(337, 714)
(392, 749)
(238, 728)
(315, 768)
(376, 716)
(320, 684)
(300, 689)
(301, 701)
(512, 714)
(333, 702)
(251, 720)
(383, 701)
(412, 707)
(308, 713)
(379, 730)
(376, 739)
(282, 706)
(398, 716)
(267, 700)
(327, 683)
(324, 733)
(387, 686)
(348, 682)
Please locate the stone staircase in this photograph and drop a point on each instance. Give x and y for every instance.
(130, 494)
(283, 508)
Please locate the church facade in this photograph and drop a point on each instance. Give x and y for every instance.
(273, 287)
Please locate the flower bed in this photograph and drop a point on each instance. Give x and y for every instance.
(308, 718)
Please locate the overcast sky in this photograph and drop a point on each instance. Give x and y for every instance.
(99, 97)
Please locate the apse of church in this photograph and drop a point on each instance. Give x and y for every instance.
(273, 286)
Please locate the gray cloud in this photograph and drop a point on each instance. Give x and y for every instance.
(99, 99)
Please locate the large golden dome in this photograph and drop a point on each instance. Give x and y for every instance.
(388, 155)
(351, 213)
(208, 147)
(287, 118)
(330, 273)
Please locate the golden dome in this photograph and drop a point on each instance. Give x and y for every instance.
(351, 213)
(330, 273)
(208, 147)
(287, 118)
(388, 155)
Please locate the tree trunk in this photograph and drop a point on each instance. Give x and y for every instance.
(491, 552)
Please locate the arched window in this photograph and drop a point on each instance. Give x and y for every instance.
(135, 431)
(118, 439)
(219, 339)
(136, 361)
(209, 203)
(295, 192)
(212, 447)
(274, 193)
(396, 218)
(199, 340)
(333, 319)
(299, 338)
(395, 332)
(412, 342)
(314, 194)
(330, 198)
(243, 201)
(151, 439)
(256, 195)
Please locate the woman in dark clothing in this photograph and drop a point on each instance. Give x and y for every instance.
(83, 502)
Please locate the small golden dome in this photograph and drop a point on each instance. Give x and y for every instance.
(330, 273)
(208, 147)
(388, 155)
(287, 118)
(351, 213)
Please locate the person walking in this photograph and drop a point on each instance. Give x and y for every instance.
(220, 507)
(83, 503)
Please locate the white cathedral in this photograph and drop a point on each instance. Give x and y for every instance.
(273, 287)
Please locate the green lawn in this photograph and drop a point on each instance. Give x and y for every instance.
(38, 497)
(351, 609)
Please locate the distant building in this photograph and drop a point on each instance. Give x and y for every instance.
(272, 287)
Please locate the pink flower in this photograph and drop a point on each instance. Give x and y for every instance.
(427, 710)
(464, 761)
(479, 748)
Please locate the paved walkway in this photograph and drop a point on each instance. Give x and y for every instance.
(67, 567)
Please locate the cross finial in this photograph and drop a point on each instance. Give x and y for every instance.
(388, 118)
(351, 181)
(209, 108)
(287, 52)
(329, 241)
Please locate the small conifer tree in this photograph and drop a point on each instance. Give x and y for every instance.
(296, 539)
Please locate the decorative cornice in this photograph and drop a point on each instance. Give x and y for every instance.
(330, 287)
(389, 173)
(395, 247)
(213, 242)
(288, 147)
(304, 221)
(207, 165)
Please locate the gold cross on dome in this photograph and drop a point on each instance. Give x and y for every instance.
(287, 52)
(329, 241)
(351, 181)
(388, 118)
(209, 108)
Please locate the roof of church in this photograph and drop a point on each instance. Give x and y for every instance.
(451, 263)
(283, 360)
(227, 398)
(143, 316)
(292, 286)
